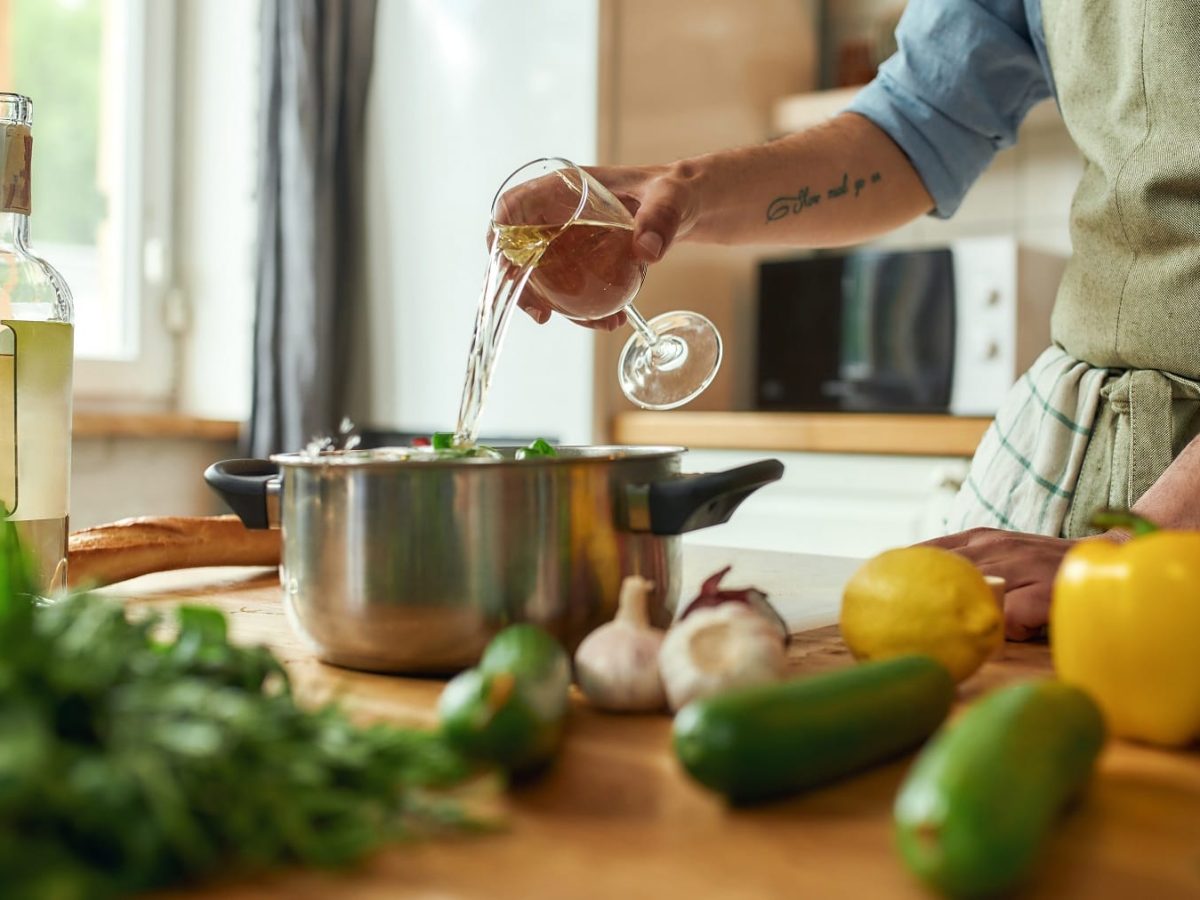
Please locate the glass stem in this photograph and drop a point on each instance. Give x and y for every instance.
(641, 326)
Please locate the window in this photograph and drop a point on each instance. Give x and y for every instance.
(101, 77)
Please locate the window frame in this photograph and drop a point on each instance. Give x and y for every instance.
(148, 374)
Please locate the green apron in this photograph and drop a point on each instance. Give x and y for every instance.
(1127, 74)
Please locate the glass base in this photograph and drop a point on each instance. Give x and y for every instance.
(677, 368)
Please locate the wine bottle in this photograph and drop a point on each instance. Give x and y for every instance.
(36, 361)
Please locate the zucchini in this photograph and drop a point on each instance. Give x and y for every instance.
(510, 709)
(983, 796)
(771, 740)
(538, 661)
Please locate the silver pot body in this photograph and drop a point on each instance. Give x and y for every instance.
(406, 566)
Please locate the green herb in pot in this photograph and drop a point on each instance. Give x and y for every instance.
(444, 446)
(539, 449)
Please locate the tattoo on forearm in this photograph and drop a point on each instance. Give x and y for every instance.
(794, 204)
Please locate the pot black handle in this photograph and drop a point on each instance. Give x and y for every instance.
(250, 487)
(688, 502)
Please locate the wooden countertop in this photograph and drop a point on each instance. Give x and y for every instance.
(910, 435)
(98, 423)
(617, 818)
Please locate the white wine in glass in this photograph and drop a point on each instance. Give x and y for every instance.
(577, 236)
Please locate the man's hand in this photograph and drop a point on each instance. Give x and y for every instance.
(1027, 563)
(661, 200)
(539, 309)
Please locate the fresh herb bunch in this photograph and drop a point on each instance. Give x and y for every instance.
(130, 761)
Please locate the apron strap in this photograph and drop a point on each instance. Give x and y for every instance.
(1143, 400)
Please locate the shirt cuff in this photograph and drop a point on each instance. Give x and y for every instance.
(947, 156)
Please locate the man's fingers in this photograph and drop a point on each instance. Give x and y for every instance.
(658, 219)
(1026, 610)
(608, 323)
(1028, 564)
(538, 310)
(533, 305)
(948, 542)
(984, 554)
(974, 537)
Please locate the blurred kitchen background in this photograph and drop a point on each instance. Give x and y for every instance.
(154, 125)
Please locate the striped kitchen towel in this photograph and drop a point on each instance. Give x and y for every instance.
(1026, 467)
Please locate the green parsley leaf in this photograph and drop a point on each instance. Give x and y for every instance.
(136, 755)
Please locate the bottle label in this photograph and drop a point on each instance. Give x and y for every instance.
(36, 361)
(16, 158)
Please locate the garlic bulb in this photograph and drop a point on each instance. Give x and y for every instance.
(616, 666)
(717, 648)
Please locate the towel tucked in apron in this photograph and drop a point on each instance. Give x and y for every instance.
(1071, 439)
(1102, 413)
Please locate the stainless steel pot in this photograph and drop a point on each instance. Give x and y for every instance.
(412, 566)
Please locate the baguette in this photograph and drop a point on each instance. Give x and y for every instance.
(110, 553)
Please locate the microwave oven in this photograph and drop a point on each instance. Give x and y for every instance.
(939, 330)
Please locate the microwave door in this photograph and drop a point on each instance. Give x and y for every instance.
(865, 331)
(919, 330)
(898, 332)
(854, 388)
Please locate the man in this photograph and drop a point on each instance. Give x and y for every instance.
(1109, 414)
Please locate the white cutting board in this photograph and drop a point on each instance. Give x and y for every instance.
(806, 590)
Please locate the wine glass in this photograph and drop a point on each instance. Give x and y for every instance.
(577, 236)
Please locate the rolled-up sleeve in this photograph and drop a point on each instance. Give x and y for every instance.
(964, 77)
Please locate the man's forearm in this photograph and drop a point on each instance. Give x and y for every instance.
(1174, 500)
(839, 183)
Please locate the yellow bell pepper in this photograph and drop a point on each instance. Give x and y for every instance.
(1125, 627)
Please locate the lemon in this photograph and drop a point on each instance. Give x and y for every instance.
(922, 600)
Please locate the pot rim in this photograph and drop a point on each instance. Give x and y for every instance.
(569, 454)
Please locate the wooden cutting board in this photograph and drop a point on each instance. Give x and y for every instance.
(617, 818)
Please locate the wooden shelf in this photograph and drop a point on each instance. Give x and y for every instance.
(800, 111)
(96, 424)
(908, 435)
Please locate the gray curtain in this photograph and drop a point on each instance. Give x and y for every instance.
(316, 68)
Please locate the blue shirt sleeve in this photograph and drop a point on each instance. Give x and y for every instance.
(964, 76)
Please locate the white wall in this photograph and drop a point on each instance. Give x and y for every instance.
(1026, 193)
(463, 92)
(115, 478)
(217, 213)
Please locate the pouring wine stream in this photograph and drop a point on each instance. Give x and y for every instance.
(555, 227)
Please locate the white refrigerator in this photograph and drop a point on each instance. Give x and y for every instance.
(463, 92)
